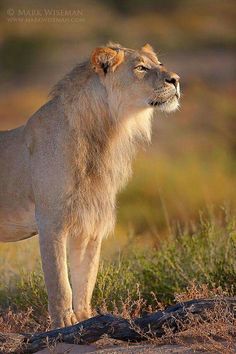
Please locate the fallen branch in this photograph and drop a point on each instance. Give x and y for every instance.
(93, 329)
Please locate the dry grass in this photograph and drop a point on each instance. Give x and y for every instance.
(22, 322)
(19, 322)
(214, 332)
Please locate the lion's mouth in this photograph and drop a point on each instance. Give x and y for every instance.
(164, 103)
(155, 103)
(167, 105)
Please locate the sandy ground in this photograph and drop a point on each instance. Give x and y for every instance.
(113, 349)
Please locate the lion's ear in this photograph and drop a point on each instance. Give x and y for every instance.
(106, 59)
(147, 48)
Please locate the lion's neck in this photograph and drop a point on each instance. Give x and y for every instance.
(106, 146)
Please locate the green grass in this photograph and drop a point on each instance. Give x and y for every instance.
(205, 256)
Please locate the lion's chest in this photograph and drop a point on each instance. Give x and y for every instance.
(92, 201)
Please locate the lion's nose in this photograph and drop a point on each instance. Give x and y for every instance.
(172, 79)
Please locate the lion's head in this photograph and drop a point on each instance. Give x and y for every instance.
(136, 78)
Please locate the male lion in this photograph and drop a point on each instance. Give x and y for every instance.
(61, 171)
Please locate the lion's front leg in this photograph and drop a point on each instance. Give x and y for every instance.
(84, 257)
(53, 254)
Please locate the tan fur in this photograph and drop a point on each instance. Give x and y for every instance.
(101, 55)
(60, 173)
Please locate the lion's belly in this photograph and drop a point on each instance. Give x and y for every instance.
(17, 224)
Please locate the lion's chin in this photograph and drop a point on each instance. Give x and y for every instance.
(170, 105)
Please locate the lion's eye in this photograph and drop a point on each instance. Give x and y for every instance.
(141, 68)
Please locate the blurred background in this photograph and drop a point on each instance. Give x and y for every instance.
(190, 167)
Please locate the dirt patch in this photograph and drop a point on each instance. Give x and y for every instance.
(113, 349)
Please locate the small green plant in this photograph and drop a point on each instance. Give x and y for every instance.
(25, 291)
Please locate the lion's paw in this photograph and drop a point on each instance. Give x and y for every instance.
(82, 315)
(65, 319)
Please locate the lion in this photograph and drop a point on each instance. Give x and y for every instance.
(61, 171)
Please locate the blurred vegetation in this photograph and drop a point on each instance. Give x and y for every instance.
(19, 54)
